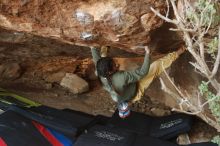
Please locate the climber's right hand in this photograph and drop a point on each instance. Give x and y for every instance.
(147, 50)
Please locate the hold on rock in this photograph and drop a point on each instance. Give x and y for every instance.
(84, 18)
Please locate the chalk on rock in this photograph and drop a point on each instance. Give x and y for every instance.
(87, 36)
(84, 18)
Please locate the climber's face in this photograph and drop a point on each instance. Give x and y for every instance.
(116, 66)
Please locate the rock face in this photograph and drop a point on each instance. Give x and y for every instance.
(122, 24)
(10, 71)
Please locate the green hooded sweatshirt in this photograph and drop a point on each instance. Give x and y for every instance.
(124, 83)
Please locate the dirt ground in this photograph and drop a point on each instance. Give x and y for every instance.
(96, 101)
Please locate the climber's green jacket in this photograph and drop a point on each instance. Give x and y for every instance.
(123, 82)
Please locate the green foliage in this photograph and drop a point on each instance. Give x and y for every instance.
(214, 104)
(203, 87)
(213, 47)
(216, 140)
(204, 11)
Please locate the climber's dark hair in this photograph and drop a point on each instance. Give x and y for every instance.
(105, 66)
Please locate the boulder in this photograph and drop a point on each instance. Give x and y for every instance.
(74, 83)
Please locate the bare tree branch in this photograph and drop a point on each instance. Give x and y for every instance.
(202, 13)
(201, 47)
(193, 11)
(194, 34)
(190, 23)
(216, 65)
(195, 55)
(168, 9)
(162, 17)
(172, 82)
(198, 67)
(175, 96)
(183, 29)
(210, 23)
(198, 99)
(189, 113)
(178, 17)
(210, 121)
(167, 90)
(208, 101)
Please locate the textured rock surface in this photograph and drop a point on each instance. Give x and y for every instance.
(10, 71)
(123, 23)
(74, 83)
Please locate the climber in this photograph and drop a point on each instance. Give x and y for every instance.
(128, 86)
